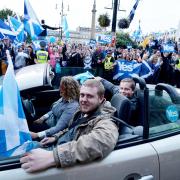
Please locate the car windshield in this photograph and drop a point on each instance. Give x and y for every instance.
(163, 112)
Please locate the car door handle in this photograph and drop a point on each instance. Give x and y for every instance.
(149, 177)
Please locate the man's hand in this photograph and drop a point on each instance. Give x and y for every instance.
(47, 140)
(37, 160)
(98, 78)
(34, 135)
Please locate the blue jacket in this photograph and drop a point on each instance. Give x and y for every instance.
(61, 113)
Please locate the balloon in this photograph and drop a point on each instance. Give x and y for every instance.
(52, 39)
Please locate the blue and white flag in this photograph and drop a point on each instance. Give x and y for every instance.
(83, 76)
(169, 48)
(15, 138)
(31, 22)
(137, 34)
(5, 31)
(104, 38)
(146, 71)
(65, 27)
(128, 69)
(17, 27)
(132, 13)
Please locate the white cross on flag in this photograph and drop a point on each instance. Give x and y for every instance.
(14, 130)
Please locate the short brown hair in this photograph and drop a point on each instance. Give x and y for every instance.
(97, 84)
(131, 81)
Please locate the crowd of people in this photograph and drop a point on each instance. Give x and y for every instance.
(155, 64)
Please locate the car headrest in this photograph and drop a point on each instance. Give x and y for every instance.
(175, 97)
(122, 105)
(141, 82)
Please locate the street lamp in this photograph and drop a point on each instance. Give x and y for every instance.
(116, 8)
(61, 16)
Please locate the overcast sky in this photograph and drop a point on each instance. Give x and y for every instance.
(155, 15)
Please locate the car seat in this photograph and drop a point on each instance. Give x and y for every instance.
(138, 119)
(123, 107)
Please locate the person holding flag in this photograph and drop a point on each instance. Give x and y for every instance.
(43, 34)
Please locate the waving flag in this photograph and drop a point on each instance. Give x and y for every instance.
(126, 69)
(137, 35)
(17, 27)
(65, 28)
(132, 13)
(31, 22)
(5, 31)
(14, 134)
(83, 76)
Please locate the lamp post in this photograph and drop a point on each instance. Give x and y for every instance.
(61, 16)
(114, 18)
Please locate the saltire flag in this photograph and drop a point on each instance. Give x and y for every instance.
(5, 31)
(137, 35)
(146, 71)
(17, 27)
(132, 13)
(83, 77)
(128, 69)
(31, 22)
(15, 138)
(65, 27)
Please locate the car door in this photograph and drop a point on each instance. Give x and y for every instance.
(168, 150)
(131, 163)
(165, 132)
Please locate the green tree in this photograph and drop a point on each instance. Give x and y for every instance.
(123, 40)
(4, 13)
(104, 20)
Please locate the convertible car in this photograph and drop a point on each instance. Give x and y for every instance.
(148, 151)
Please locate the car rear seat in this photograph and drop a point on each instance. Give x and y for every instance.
(123, 107)
(122, 116)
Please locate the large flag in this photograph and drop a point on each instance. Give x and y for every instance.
(15, 138)
(17, 27)
(5, 31)
(132, 13)
(31, 22)
(65, 27)
(127, 69)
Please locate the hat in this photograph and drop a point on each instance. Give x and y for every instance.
(42, 44)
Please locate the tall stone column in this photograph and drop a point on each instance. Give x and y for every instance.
(93, 28)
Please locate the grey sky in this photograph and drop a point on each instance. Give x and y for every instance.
(155, 15)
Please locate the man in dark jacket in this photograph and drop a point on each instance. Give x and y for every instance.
(44, 32)
(126, 88)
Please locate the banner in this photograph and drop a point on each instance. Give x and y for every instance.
(128, 69)
(169, 48)
(104, 39)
